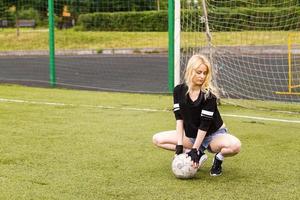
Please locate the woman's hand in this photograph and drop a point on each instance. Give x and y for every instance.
(179, 149)
(195, 157)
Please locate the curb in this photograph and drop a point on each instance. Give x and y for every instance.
(234, 50)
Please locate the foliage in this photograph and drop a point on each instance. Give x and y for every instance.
(89, 6)
(237, 12)
(253, 3)
(75, 7)
(2, 9)
(125, 21)
(133, 21)
(29, 14)
(264, 18)
(233, 19)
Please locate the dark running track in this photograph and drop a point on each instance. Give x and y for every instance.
(257, 76)
(132, 73)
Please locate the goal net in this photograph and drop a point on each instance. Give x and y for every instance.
(254, 47)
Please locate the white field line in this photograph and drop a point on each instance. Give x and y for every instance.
(138, 109)
(262, 118)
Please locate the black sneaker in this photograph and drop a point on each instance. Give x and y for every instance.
(216, 169)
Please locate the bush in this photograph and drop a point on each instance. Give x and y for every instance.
(265, 18)
(125, 21)
(220, 19)
(28, 14)
(130, 21)
(254, 3)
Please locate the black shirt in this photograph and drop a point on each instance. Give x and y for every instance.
(200, 114)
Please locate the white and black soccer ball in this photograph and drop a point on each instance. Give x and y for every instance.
(182, 166)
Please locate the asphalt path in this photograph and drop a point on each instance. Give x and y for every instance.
(249, 76)
(129, 73)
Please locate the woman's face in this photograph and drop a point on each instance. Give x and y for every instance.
(199, 75)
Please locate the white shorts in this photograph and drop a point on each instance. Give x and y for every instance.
(206, 141)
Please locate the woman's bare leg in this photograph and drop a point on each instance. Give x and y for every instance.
(168, 140)
(226, 144)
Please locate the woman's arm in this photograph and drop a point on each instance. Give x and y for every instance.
(195, 153)
(179, 120)
(179, 132)
(200, 136)
(179, 135)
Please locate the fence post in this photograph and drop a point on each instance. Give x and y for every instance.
(51, 43)
(171, 45)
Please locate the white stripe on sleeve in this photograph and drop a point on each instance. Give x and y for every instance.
(207, 113)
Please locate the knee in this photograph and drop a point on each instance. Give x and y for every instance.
(155, 139)
(233, 148)
(236, 147)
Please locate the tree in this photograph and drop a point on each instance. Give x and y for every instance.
(2, 9)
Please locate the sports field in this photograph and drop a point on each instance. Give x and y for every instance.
(69, 144)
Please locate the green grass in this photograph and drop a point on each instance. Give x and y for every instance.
(242, 38)
(80, 152)
(35, 39)
(69, 39)
(264, 105)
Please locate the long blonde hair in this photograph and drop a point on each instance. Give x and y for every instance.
(194, 62)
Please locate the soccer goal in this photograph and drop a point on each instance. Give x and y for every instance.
(254, 47)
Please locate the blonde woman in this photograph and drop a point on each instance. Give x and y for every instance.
(199, 125)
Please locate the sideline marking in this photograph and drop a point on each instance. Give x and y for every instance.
(137, 109)
(261, 118)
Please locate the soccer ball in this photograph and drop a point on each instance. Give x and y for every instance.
(182, 166)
